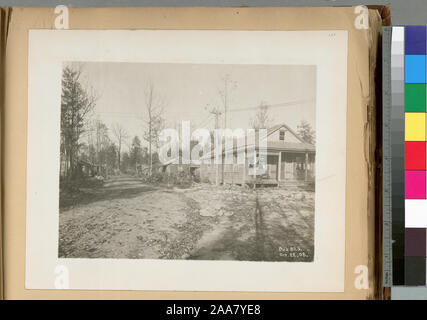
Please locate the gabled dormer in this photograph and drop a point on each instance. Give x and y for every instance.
(282, 133)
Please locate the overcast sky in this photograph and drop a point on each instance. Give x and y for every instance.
(189, 91)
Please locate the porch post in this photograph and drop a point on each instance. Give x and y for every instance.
(279, 166)
(306, 166)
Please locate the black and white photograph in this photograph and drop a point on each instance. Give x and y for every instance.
(184, 161)
(187, 160)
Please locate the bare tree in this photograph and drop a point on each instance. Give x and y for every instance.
(120, 134)
(262, 118)
(154, 107)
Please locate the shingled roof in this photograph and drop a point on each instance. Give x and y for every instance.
(301, 146)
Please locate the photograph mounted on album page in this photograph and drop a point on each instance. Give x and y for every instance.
(190, 153)
(192, 160)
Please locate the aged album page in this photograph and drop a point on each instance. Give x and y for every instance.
(105, 206)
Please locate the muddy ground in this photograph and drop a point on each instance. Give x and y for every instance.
(128, 219)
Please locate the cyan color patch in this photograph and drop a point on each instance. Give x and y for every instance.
(415, 68)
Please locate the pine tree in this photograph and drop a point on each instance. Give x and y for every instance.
(76, 103)
(135, 153)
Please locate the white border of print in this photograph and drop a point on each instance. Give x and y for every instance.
(47, 51)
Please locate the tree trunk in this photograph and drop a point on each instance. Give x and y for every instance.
(151, 154)
(71, 164)
(306, 167)
(120, 147)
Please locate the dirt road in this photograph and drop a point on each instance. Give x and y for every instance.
(128, 219)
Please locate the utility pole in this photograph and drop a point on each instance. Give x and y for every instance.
(229, 85)
(217, 113)
(225, 102)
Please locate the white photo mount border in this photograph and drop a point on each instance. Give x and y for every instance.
(48, 49)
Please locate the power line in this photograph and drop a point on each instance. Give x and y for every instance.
(283, 104)
(214, 111)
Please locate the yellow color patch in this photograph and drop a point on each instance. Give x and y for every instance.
(415, 126)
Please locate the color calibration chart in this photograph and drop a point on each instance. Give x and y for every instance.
(404, 156)
(415, 205)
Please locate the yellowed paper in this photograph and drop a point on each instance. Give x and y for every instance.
(359, 213)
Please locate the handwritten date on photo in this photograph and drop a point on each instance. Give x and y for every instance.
(228, 309)
(293, 252)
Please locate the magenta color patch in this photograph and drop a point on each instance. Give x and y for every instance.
(415, 184)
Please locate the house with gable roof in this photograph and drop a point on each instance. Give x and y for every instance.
(290, 159)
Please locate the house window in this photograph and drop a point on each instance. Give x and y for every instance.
(282, 135)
